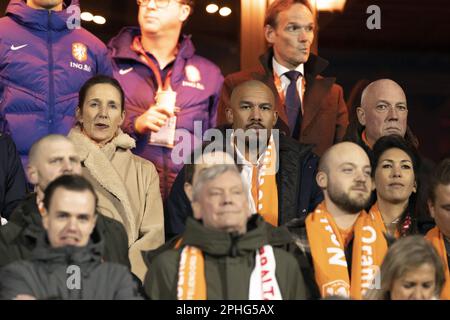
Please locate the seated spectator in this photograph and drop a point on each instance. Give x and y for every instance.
(395, 167)
(384, 111)
(292, 189)
(67, 262)
(49, 158)
(222, 239)
(127, 185)
(439, 204)
(13, 185)
(411, 270)
(337, 245)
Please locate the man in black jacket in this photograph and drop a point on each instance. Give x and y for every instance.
(51, 157)
(13, 185)
(252, 110)
(67, 262)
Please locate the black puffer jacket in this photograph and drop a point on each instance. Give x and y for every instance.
(19, 236)
(69, 272)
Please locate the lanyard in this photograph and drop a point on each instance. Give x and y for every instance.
(137, 46)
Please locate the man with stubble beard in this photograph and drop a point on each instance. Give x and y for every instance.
(339, 239)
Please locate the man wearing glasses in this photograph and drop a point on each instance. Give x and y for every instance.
(166, 85)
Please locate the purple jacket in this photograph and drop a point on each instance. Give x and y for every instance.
(197, 98)
(43, 65)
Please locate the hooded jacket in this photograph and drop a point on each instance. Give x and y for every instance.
(197, 82)
(19, 237)
(69, 273)
(44, 61)
(229, 262)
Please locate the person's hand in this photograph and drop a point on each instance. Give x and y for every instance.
(152, 120)
(24, 297)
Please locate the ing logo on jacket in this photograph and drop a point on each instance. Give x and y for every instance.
(80, 53)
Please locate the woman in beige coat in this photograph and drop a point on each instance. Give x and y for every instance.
(127, 185)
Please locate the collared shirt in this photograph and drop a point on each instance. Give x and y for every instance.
(280, 70)
(247, 172)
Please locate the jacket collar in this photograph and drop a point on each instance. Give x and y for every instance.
(313, 67)
(42, 20)
(120, 47)
(85, 257)
(221, 243)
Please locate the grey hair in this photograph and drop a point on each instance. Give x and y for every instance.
(211, 173)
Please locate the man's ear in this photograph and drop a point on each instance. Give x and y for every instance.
(361, 114)
(431, 208)
(32, 174)
(229, 114)
(373, 184)
(196, 209)
(184, 12)
(275, 118)
(269, 34)
(188, 190)
(95, 222)
(44, 215)
(322, 179)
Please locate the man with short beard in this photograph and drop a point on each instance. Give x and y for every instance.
(338, 239)
(278, 170)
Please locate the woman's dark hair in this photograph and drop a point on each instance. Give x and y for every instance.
(398, 142)
(100, 79)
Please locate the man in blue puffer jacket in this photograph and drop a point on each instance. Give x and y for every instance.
(44, 60)
(154, 57)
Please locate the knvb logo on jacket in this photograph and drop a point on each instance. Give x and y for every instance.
(193, 78)
(80, 53)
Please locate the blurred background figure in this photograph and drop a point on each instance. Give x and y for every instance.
(45, 59)
(156, 58)
(439, 204)
(411, 270)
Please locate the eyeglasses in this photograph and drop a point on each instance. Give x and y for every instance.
(158, 3)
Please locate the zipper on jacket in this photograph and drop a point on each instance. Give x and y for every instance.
(51, 102)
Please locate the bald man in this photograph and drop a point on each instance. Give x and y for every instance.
(384, 111)
(288, 192)
(339, 238)
(50, 157)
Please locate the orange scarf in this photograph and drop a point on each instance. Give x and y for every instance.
(191, 285)
(437, 240)
(327, 250)
(264, 186)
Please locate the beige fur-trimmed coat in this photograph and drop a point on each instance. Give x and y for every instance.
(128, 190)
